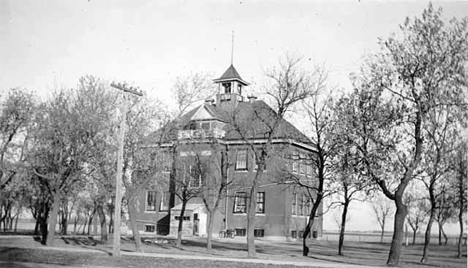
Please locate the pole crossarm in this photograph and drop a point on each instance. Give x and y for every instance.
(125, 88)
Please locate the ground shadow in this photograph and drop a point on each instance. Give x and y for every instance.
(85, 242)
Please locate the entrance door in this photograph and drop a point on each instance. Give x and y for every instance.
(195, 224)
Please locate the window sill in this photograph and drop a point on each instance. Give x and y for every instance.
(245, 214)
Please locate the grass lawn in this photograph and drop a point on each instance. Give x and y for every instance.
(26, 249)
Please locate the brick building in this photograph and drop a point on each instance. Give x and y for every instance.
(208, 133)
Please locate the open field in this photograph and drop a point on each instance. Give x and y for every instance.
(81, 250)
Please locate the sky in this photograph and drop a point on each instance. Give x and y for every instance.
(49, 44)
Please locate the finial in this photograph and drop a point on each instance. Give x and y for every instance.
(232, 48)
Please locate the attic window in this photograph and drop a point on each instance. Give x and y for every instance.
(190, 126)
(205, 125)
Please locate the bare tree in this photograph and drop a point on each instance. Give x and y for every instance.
(442, 132)
(348, 191)
(412, 76)
(17, 111)
(417, 214)
(460, 167)
(215, 185)
(189, 174)
(142, 165)
(290, 85)
(191, 89)
(383, 210)
(349, 180)
(64, 135)
(445, 209)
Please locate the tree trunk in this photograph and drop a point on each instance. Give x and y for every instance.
(43, 216)
(44, 231)
(461, 203)
(445, 236)
(9, 220)
(343, 227)
(460, 236)
(90, 221)
(313, 212)
(95, 225)
(440, 234)
(84, 226)
(111, 224)
(382, 232)
(102, 219)
(209, 230)
(75, 222)
(36, 226)
(427, 240)
(397, 239)
(406, 235)
(64, 220)
(53, 219)
(414, 236)
(133, 217)
(111, 217)
(251, 209)
(16, 221)
(181, 222)
(159, 197)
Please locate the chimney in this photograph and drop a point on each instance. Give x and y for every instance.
(252, 99)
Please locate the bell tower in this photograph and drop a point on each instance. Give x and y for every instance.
(230, 87)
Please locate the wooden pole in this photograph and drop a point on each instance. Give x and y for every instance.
(118, 178)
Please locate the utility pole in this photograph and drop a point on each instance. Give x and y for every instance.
(118, 180)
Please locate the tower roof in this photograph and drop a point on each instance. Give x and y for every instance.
(231, 74)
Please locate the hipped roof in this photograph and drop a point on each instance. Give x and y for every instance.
(231, 74)
(253, 119)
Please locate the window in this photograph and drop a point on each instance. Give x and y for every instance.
(195, 179)
(293, 234)
(240, 203)
(301, 205)
(309, 169)
(164, 202)
(259, 233)
(166, 161)
(302, 163)
(256, 165)
(240, 231)
(260, 202)
(241, 160)
(185, 218)
(227, 88)
(150, 200)
(149, 228)
(294, 205)
(295, 163)
(307, 207)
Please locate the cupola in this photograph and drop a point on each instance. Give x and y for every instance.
(230, 87)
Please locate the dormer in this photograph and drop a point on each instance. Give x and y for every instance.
(230, 87)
